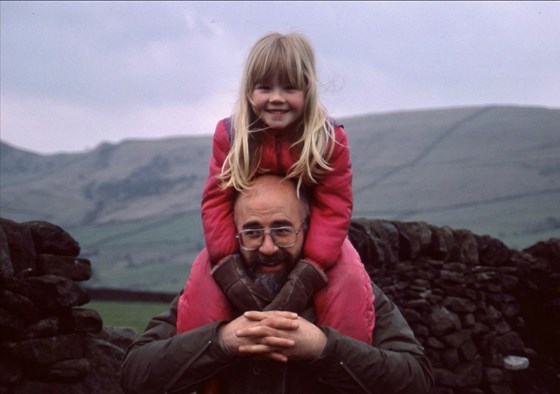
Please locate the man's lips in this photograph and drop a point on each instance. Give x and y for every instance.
(270, 265)
(269, 268)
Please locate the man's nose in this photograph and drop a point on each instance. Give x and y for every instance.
(268, 246)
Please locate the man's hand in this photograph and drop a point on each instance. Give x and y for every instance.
(261, 334)
(277, 335)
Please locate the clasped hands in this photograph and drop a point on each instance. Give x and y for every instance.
(276, 335)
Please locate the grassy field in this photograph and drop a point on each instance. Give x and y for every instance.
(127, 314)
(145, 254)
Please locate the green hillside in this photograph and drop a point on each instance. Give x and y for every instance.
(152, 254)
(134, 206)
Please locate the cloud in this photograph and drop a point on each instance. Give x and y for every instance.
(105, 55)
(66, 127)
(94, 71)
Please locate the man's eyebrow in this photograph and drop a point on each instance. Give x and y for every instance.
(251, 225)
(282, 223)
(258, 225)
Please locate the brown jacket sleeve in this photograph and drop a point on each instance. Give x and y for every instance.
(158, 360)
(396, 362)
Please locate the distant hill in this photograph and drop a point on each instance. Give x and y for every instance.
(134, 206)
(130, 180)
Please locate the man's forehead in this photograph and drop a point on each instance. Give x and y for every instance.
(267, 217)
(267, 202)
(269, 192)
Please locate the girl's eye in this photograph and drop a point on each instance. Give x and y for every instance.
(262, 87)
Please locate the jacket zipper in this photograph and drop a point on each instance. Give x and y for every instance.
(284, 377)
(353, 376)
(278, 149)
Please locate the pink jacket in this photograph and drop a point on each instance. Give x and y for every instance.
(346, 303)
(331, 205)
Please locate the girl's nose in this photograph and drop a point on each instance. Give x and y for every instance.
(277, 96)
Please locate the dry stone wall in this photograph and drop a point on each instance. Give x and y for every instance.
(477, 306)
(470, 300)
(49, 342)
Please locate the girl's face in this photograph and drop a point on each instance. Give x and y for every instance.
(278, 104)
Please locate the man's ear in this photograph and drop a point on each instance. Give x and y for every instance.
(305, 224)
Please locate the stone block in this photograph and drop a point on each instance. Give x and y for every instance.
(459, 304)
(20, 245)
(10, 372)
(457, 338)
(55, 292)
(450, 357)
(19, 305)
(83, 320)
(46, 327)
(6, 265)
(415, 238)
(52, 239)
(468, 350)
(493, 375)
(62, 371)
(466, 247)
(442, 321)
(47, 350)
(442, 243)
(74, 268)
(10, 324)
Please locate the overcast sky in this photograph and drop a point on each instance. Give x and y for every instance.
(75, 74)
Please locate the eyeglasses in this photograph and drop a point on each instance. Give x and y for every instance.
(253, 238)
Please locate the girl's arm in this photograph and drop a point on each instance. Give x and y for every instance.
(217, 204)
(331, 207)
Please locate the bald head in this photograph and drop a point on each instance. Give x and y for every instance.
(273, 196)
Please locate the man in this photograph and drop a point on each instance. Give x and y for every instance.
(275, 351)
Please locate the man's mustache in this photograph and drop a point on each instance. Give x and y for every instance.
(269, 260)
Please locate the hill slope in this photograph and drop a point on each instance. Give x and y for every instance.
(134, 206)
(494, 170)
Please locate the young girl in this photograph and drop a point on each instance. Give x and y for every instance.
(279, 127)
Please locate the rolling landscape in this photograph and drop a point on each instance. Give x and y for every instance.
(134, 206)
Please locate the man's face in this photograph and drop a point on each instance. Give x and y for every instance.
(269, 204)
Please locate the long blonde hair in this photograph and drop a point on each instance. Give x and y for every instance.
(291, 57)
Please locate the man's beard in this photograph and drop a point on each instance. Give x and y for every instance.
(272, 282)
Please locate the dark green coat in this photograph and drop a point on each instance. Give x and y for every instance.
(160, 361)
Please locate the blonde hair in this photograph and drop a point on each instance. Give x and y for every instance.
(291, 57)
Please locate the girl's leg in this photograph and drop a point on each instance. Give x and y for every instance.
(346, 304)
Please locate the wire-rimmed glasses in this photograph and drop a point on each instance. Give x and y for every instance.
(283, 237)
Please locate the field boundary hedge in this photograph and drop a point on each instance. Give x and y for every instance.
(106, 294)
